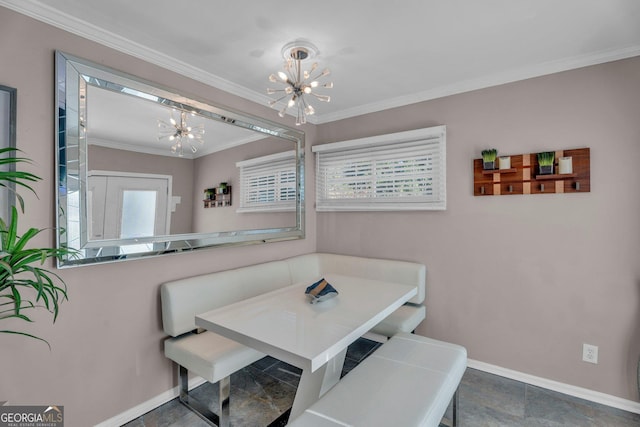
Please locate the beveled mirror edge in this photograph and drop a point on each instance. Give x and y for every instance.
(169, 244)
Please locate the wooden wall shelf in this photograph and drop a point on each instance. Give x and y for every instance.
(218, 199)
(492, 171)
(522, 177)
(556, 176)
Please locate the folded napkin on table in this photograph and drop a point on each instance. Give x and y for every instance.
(320, 291)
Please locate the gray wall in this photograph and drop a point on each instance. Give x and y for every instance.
(107, 352)
(524, 281)
(521, 281)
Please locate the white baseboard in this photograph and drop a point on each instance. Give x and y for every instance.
(149, 405)
(582, 393)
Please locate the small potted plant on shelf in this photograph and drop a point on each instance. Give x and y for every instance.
(545, 162)
(489, 158)
(223, 188)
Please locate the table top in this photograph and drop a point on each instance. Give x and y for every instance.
(283, 323)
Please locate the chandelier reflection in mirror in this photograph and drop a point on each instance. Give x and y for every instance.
(299, 84)
(180, 134)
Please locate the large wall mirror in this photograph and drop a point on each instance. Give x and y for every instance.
(143, 170)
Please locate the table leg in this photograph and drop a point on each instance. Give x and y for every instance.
(314, 384)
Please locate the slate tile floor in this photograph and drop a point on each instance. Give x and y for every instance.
(263, 391)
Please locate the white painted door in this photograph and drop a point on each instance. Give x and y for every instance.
(128, 206)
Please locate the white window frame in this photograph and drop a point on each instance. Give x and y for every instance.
(377, 189)
(278, 164)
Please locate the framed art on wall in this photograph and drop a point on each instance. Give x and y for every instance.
(7, 139)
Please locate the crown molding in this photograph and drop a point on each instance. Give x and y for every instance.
(51, 16)
(496, 79)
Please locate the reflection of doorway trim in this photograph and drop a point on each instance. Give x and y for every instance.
(119, 174)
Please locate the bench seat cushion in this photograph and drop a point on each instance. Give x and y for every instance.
(409, 381)
(404, 319)
(210, 355)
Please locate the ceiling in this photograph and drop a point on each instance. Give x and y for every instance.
(381, 54)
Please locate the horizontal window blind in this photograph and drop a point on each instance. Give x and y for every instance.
(268, 183)
(404, 171)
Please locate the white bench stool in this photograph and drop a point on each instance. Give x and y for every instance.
(214, 358)
(409, 381)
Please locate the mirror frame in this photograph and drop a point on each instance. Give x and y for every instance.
(73, 74)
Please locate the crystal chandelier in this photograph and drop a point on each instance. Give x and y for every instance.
(180, 134)
(299, 84)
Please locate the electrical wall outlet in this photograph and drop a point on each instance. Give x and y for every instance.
(590, 353)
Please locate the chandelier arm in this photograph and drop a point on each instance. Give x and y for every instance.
(319, 96)
(317, 76)
(281, 98)
(291, 77)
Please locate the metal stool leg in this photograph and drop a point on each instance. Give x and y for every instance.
(456, 403)
(198, 407)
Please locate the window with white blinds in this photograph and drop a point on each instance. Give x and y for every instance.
(401, 171)
(268, 183)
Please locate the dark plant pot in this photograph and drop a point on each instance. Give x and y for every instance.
(489, 166)
(546, 170)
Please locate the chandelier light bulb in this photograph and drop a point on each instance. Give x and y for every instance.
(282, 76)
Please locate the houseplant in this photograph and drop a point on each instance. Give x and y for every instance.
(24, 284)
(545, 162)
(489, 158)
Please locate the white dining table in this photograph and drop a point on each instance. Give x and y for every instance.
(314, 337)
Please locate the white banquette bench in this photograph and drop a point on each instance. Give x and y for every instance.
(215, 358)
(408, 381)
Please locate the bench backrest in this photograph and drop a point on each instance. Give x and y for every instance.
(183, 299)
(309, 266)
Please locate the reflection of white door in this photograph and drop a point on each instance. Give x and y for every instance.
(126, 205)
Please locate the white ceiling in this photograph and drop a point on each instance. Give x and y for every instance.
(382, 54)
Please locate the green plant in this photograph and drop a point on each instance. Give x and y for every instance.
(489, 155)
(24, 284)
(546, 158)
(9, 178)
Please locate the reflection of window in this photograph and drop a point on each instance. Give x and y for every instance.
(401, 171)
(268, 183)
(138, 214)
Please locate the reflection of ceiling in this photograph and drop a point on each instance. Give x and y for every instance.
(382, 54)
(125, 122)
